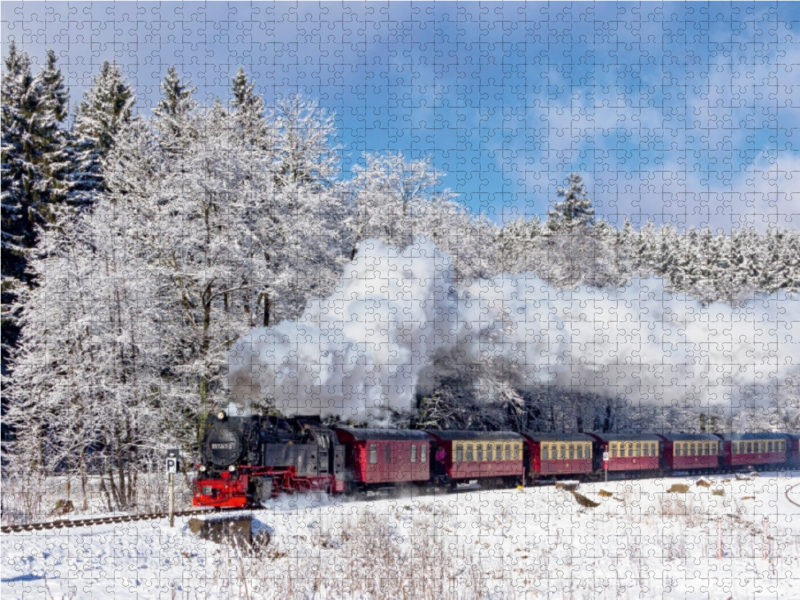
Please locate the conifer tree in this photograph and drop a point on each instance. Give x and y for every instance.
(173, 111)
(19, 104)
(575, 212)
(105, 108)
(34, 167)
(52, 140)
(248, 114)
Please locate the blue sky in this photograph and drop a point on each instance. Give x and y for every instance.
(671, 111)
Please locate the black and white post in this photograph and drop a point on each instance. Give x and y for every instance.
(173, 458)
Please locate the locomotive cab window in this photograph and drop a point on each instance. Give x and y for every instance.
(373, 454)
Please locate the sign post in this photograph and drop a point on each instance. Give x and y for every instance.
(173, 458)
(605, 464)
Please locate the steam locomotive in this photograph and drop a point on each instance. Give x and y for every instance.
(245, 461)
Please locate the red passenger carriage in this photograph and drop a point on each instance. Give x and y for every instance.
(466, 455)
(627, 452)
(689, 451)
(559, 453)
(751, 449)
(793, 453)
(379, 456)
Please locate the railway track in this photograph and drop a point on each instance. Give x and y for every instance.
(69, 524)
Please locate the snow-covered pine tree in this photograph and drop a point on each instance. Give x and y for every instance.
(172, 113)
(248, 114)
(34, 171)
(519, 244)
(19, 103)
(53, 184)
(105, 108)
(33, 153)
(575, 213)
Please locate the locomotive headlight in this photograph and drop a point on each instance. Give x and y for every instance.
(221, 415)
(232, 468)
(202, 468)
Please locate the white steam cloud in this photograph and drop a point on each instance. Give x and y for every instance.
(372, 345)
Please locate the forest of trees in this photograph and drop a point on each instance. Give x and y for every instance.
(136, 249)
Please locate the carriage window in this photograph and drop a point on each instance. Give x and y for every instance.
(516, 451)
(749, 447)
(498, 452)
(692, 449)
(470, 456)
(769, 446)
(387, 453)
(480, 451)
(622, 450)
(489, 452)
(508, 451)
(677, 449)
(413, 453)
(571, 451)
(588, 451)
(580, 450)
(638, 449)
(783, 447)
(647, 449)
(373, 454)
(707, 448)
(423, 453)
(613, 450)
(459, 453)
(544, 452)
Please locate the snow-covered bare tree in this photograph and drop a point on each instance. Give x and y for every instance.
(303, 133)
(388, 193)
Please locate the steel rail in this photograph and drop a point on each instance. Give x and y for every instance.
(70, 523)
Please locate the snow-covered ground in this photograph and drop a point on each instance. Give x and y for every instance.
(640, 541)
